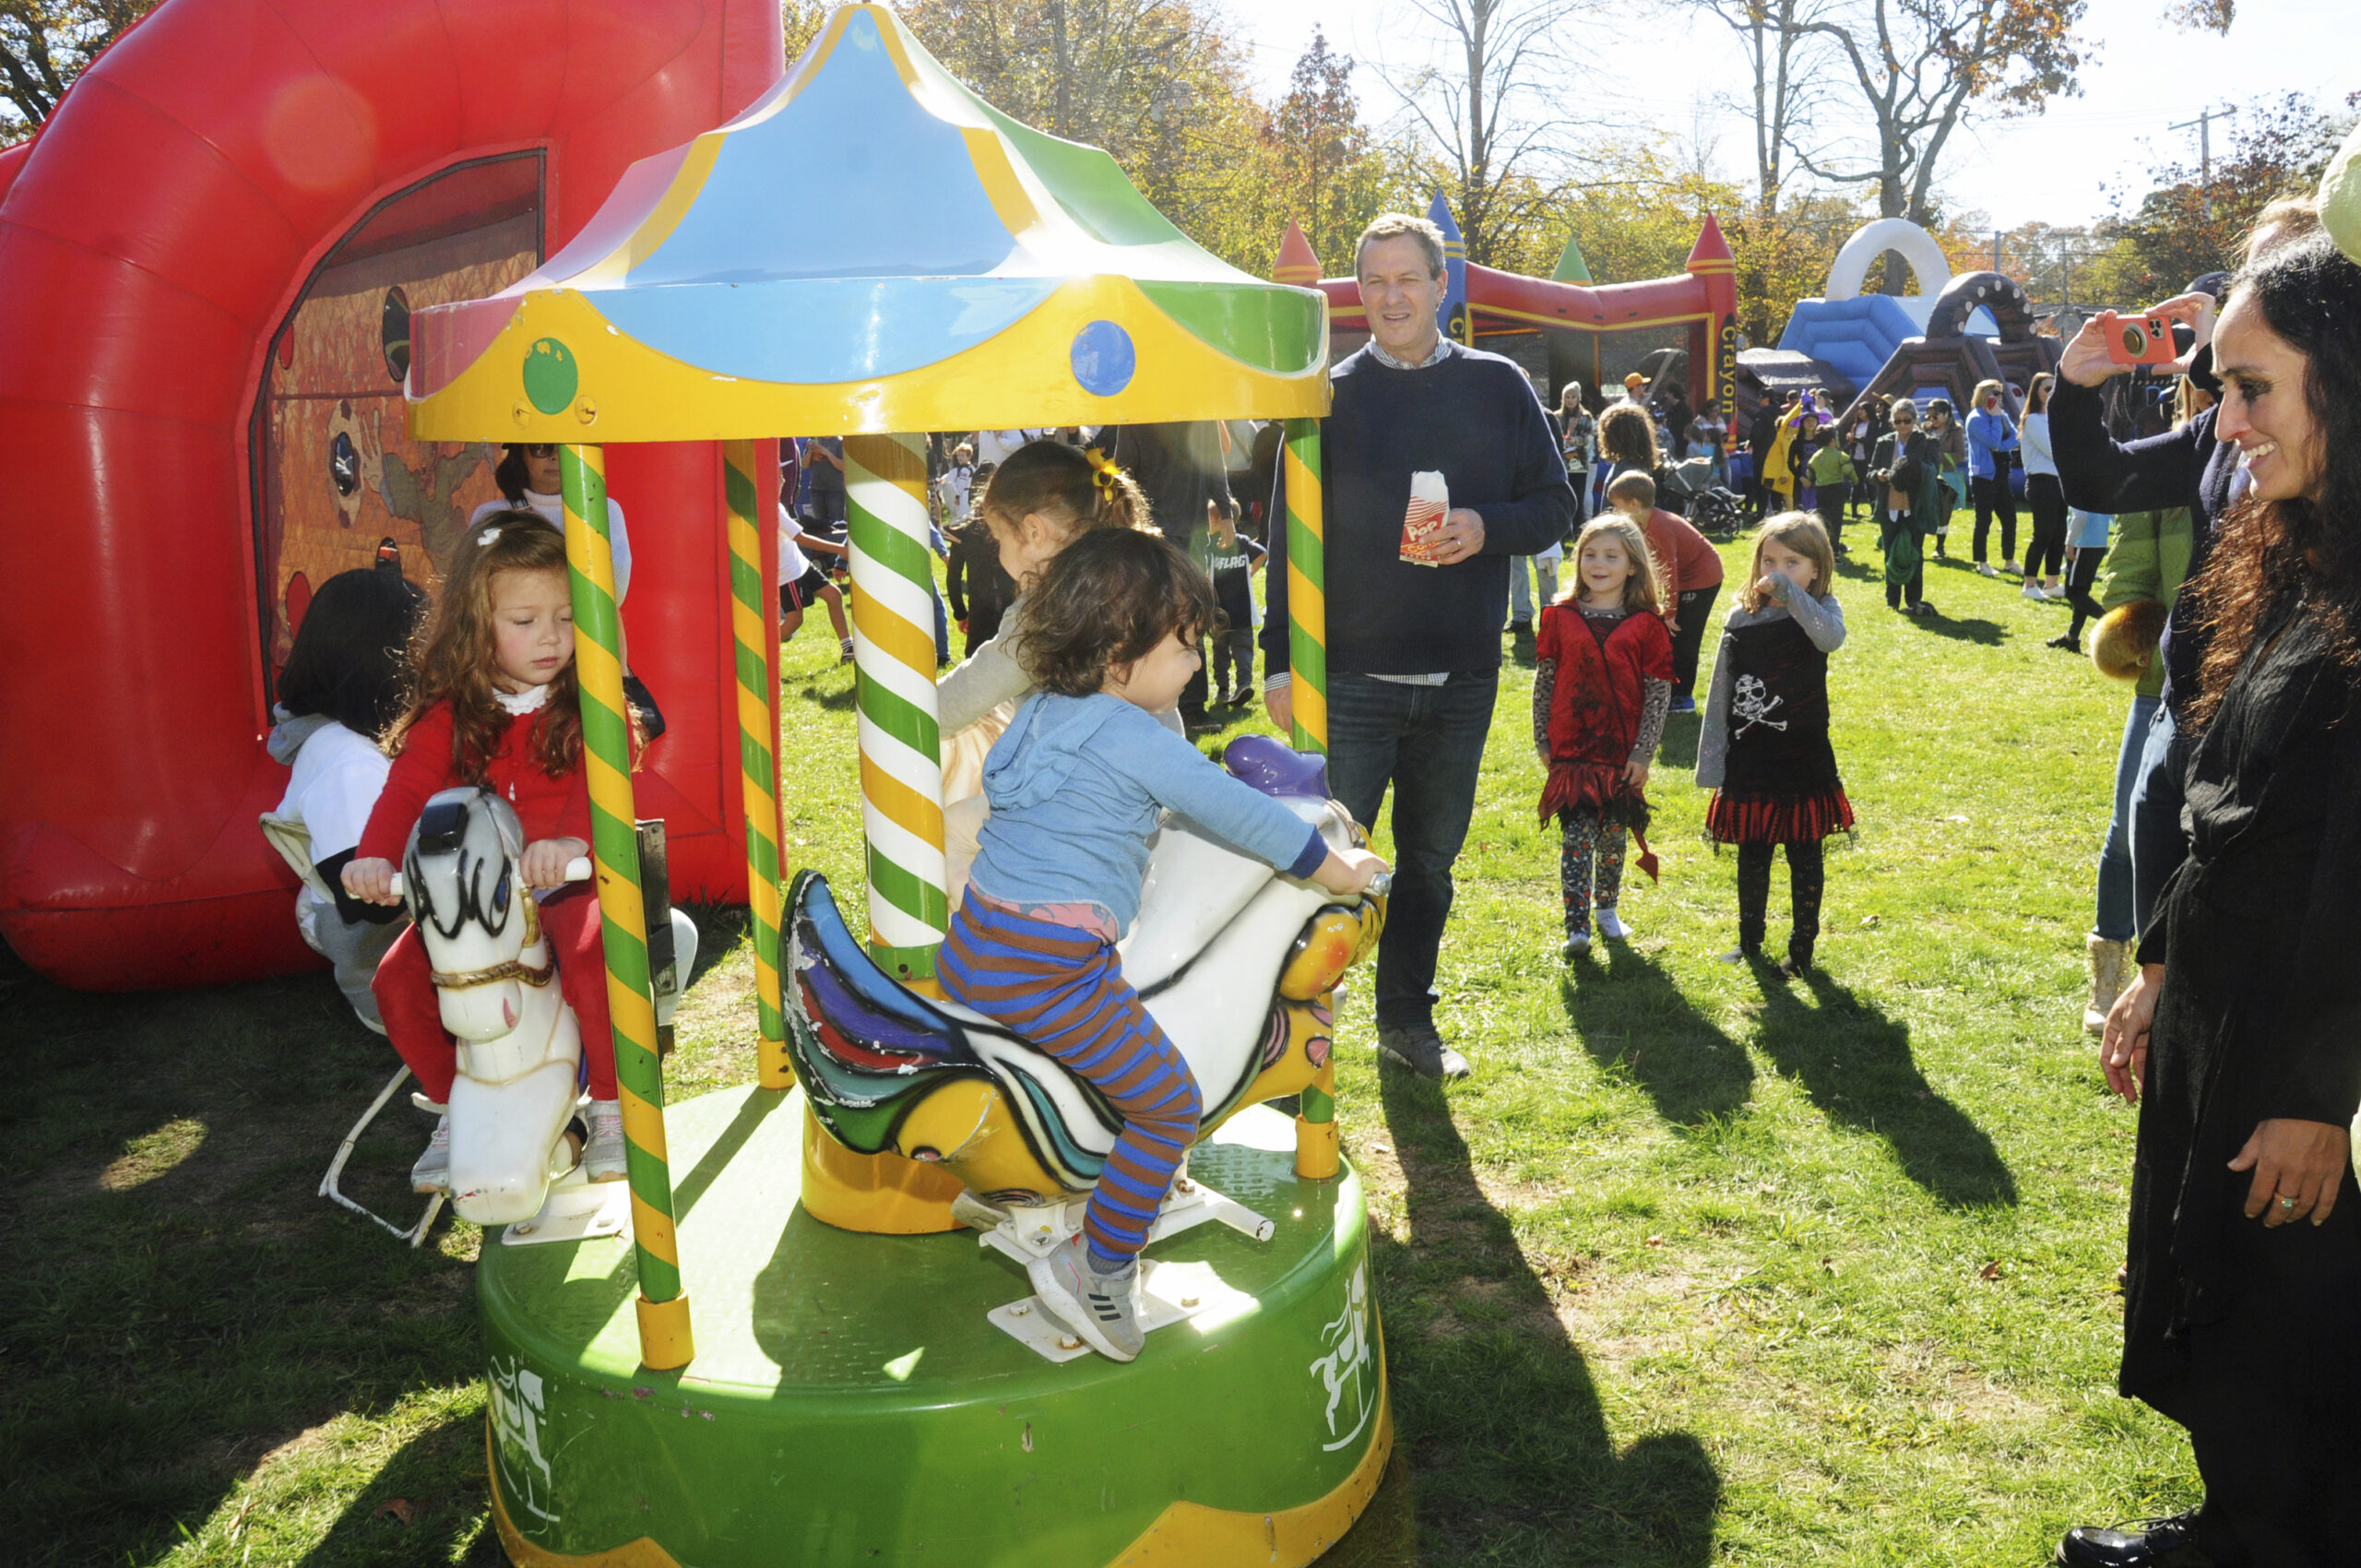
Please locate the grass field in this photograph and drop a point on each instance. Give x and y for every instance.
(1700, 1266)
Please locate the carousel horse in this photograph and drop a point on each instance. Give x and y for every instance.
(1235, 961)
(519, 1086)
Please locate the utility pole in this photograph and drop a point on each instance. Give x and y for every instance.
(1996, 250)
(2203, 126)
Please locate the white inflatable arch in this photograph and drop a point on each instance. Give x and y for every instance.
(1917, 247)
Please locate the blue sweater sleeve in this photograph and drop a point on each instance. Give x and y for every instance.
(1180, 778)
(1541, 511)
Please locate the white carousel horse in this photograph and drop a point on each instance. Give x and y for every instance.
(519, 1084)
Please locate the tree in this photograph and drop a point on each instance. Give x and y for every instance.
(1326, 172)
(45, 44)
(1919, 66)
(1786, 61)
(2185, 225)
(1482, 122)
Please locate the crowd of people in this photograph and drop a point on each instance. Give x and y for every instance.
(1105, 583)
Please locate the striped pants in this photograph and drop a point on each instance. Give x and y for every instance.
(1061, 988)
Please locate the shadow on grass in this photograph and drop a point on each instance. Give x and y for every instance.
(721, 927)
(1635, 1021)
(836, 702)
(1679, 748)
(180, 1303)
(1502, 1446)
(1989, 634)
(1856, 1065)
(430, 1504)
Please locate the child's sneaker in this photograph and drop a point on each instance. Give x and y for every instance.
(1610, 924)
(2032, 590)
(1097, 1306)
(602, 1158)
(432, 1171)
(1577, 946)
(845, 647)
(1984, 570)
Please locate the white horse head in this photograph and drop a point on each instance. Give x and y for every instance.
(495, 980)
(460, 876)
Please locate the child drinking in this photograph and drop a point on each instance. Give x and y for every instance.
(1765, 750)
(1078, 785)
(1601, 688)
(494, 703)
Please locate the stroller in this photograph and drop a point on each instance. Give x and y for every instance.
(1688, 489)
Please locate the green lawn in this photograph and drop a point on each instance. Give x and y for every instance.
(1700, 1266)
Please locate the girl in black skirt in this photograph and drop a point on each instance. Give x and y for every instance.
(1765, 750)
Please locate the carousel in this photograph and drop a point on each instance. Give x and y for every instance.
(804, 1333)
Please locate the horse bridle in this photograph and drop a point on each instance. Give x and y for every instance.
(534, 975)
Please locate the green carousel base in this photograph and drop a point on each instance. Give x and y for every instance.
(851, 1404)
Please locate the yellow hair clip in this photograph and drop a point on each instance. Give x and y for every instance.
(1102, 468)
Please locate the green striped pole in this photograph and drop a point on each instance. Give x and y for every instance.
(753, 621)
(1307, 588)
(664, 1337)
(1316, 1154)
(901, 744)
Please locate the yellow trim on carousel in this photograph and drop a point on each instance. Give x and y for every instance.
(631, 392)
(641, 1553)
(1186, 1534)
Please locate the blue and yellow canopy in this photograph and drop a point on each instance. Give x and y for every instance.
(871, 247)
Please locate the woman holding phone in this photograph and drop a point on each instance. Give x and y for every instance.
(2240, 1037)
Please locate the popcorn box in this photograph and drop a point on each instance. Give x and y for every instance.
(1429, 504)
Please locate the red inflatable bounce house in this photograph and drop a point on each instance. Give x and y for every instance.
(207, 262)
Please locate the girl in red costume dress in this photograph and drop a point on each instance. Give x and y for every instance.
(1764, 748)
(495, 703)
(1599, 698)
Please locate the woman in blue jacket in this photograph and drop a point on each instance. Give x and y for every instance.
(1991, 435)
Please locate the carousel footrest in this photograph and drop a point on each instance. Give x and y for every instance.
(1170, 1293)
(1029, 1233)
(574, 1211)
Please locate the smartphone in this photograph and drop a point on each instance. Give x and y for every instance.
(2138, 339)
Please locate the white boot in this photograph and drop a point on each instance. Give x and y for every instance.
(2110, 962)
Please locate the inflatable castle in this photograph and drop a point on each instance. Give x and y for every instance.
(1566, 327)
(209, 257)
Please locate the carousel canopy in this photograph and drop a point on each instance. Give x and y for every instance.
(870, 247)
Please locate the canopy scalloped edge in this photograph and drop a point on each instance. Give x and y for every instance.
(669, 319)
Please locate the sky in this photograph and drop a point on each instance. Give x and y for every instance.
(2050, 168)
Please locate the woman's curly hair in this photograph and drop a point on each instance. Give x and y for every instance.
(2309, 293)
(453, 654)
(1107, 599)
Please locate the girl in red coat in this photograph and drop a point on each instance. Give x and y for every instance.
(1599, 699)
(495, 703)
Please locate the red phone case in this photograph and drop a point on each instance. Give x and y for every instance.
(2138, 339)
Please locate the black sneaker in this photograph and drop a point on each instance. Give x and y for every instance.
(1418, 1048)
(2153, 1543)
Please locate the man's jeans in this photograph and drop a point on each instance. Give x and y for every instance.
(1522, 606)
(1428, 743)
(2117, 920)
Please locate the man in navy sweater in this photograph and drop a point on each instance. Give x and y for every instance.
(1414, 652)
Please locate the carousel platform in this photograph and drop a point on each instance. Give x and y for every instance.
(853, 1400)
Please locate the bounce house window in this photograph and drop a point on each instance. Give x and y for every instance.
(335, 473)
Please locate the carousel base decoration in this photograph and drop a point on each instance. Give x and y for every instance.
(902, 1399)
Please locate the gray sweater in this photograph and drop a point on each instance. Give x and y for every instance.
(1822, 620)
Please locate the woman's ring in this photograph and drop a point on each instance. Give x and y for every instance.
(2285, 1202)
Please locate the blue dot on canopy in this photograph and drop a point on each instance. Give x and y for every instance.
(1104, 359)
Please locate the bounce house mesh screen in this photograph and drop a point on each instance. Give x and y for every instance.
(335, 471)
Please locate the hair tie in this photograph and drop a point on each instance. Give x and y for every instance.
(489, 536)
(1103, 471)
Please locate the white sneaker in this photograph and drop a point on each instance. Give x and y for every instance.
(432, 1171)
(2057, 591)
(1102, 1307)
(2033, 591)
(2014, 568)
(1984, 569)
(602, 1158)
(1610, 924)
(845, 645)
